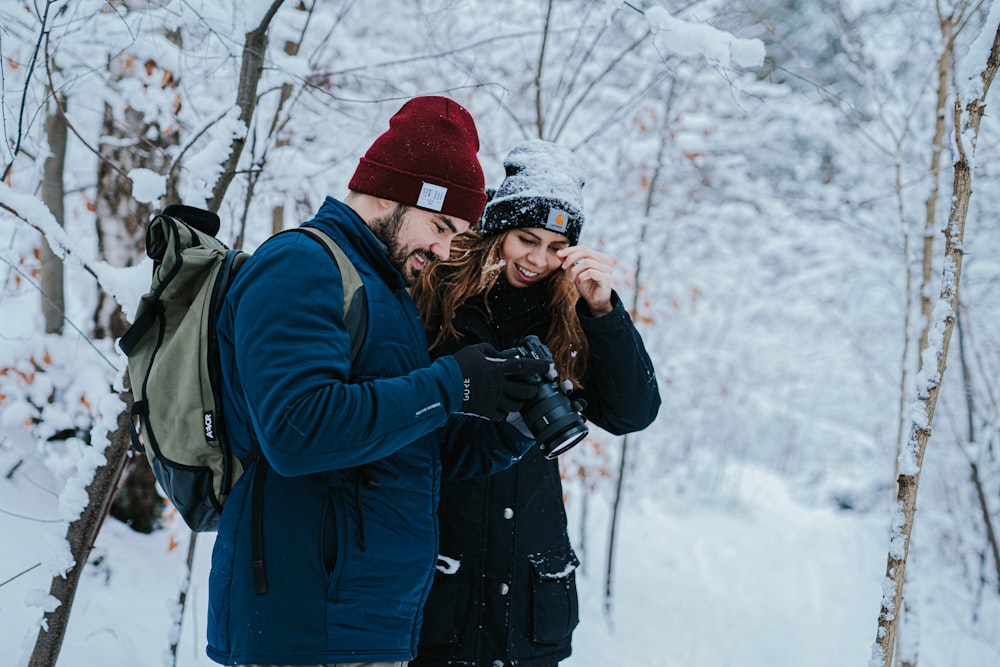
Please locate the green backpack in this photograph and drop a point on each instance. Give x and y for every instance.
(173, 358)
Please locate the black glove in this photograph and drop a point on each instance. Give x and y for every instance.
(493, 387)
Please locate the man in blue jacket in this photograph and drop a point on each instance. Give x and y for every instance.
(327, 545)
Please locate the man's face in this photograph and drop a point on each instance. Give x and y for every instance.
(414, 236)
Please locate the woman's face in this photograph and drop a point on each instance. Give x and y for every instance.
(530, 255)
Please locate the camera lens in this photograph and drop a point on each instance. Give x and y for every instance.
(555, 424)
(550, 415)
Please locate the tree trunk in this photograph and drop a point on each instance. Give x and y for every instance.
(137, 503)
(121, 221)
(81, 535)
(944, 66)
(277, 219)
(909, 623)
(966, 127)
(53, 194)
(653, 185)
(182, 598)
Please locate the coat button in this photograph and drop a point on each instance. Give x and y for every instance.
(498, 663)
(504, 589)
(508, 513)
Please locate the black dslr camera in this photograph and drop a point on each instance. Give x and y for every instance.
(550, 416)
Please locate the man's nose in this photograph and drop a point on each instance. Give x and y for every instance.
(441, 249)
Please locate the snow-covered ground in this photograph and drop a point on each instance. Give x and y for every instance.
(757, 580)
(760, 581)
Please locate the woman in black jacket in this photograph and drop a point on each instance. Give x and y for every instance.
(505, 590)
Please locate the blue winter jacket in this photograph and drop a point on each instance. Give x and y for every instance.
(353, 457)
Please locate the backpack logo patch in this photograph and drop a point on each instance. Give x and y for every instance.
(210, 426)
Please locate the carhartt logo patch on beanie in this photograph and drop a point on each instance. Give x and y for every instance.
(427, 158)
(543, 189)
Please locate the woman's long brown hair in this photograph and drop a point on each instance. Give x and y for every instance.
(472, 269)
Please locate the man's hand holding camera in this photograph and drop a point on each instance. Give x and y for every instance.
(494, 386)
(522, 379)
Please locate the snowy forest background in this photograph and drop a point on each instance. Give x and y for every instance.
(777, 182)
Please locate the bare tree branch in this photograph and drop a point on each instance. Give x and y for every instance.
(254, 50)
(64, 249)
(539, 113)
(43, 32)
(578, 104)
(974, 476)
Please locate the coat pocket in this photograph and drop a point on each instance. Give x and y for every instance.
(554, 599)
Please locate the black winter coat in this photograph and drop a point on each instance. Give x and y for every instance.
(505, 590)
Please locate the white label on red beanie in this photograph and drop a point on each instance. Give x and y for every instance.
(432, 196)
(558, 219)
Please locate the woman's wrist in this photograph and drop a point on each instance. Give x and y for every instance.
(600, 310)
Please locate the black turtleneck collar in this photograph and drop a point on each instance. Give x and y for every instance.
(518, 311)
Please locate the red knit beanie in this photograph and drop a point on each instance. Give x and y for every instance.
(427, 158)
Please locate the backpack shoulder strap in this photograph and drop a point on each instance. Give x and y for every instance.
(355, 302)
(356, 318)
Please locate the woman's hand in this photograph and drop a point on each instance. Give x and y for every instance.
(590, 271)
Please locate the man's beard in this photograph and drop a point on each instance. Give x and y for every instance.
(386, 230)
